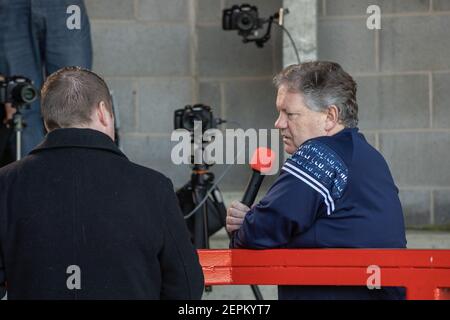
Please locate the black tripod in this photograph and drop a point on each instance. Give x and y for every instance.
(209, 217)
(18, 125)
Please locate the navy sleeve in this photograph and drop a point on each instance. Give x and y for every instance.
(288, 208)
(310, 182)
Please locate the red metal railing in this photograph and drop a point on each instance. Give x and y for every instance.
(424, 273)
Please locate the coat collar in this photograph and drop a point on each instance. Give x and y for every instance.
(77, 138)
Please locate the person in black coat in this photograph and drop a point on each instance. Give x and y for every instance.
(78, 220)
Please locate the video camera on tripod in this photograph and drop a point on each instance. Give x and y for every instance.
(17, 90)
(210, 216)
(200, 198)
(20, 93)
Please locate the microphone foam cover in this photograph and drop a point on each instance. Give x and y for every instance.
(262, 160)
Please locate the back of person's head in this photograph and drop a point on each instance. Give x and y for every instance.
(323, 83)
(71, 96)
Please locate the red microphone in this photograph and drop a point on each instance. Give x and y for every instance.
(261, 163)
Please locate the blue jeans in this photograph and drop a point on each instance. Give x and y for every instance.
(35, 42)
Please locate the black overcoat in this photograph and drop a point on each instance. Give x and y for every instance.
(78, 220)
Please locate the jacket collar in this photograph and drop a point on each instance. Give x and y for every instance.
(77, 138)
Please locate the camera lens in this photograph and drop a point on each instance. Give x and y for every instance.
(188, 121)
(245, 22)
(24, 93)
(28, 94)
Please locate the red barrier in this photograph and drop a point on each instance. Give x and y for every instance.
(424, 273)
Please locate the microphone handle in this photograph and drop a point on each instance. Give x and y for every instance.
(252, 188)
(250, 194)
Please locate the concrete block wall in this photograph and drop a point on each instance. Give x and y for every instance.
(403, 73)
(159, 56)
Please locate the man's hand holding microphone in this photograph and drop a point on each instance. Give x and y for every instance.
(262, 162)
(235, 216)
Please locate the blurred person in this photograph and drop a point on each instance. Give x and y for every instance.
(36, 40)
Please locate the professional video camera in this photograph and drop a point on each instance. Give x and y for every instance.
(246, 20)
(184, 118)
(243, 18)
(17, 90)
(210, 215)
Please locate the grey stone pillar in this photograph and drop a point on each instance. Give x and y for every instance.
(301, 22)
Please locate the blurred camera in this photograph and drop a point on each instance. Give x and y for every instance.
(17, 90)
(184, 118)
(243, 18)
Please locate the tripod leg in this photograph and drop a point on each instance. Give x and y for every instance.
(256, 292)
(18, 145)
(201, 224)
(18, 127)
(222, 211)
(201, 235)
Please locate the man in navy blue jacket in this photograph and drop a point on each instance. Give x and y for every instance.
(335, 191)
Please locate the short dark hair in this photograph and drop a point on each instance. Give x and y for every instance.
(323, 83)
(69, 97)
